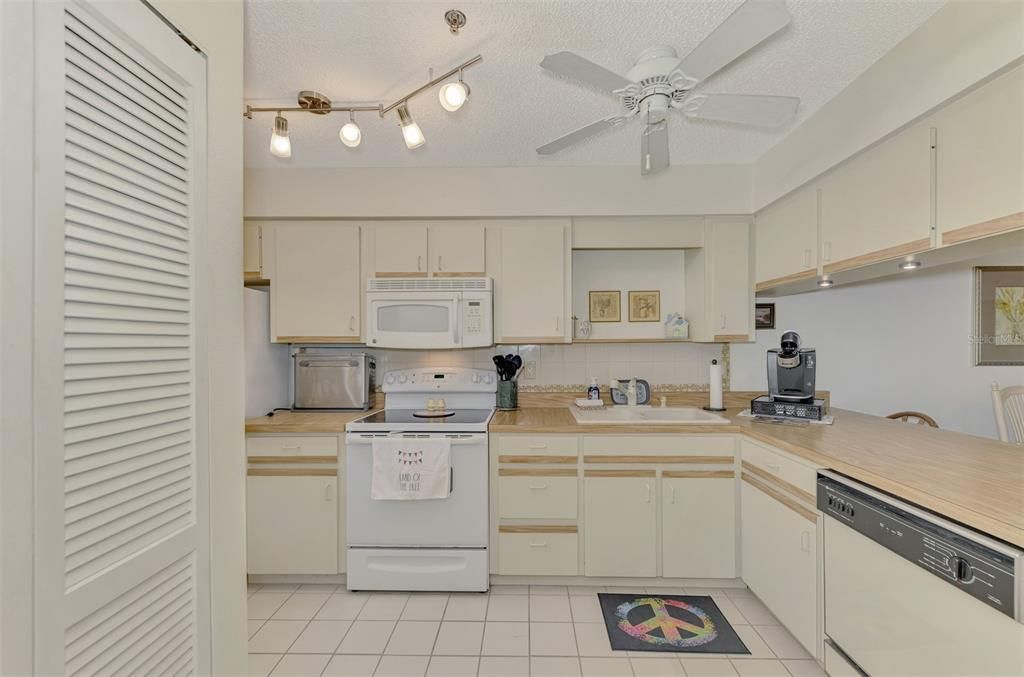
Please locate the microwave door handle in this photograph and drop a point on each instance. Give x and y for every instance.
(457, 320)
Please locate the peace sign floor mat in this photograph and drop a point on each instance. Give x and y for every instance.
(676, 623)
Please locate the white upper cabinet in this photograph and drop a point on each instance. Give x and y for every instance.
(877, 206)
(316, 295)
(457, 249)
(252, 254)
(732, 285)
(981, 160)
(400, 250)
(531, 292)
(786, 236)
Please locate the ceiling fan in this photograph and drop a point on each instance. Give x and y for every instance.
(661, 81)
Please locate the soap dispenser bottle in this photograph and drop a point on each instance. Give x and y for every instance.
(593, 392)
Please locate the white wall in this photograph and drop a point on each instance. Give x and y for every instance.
(964, 42)
(495, 191)
(267, 365)
(216, 26)
(894, 344)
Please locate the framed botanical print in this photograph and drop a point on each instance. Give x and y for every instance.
(764, 316)
(998, 315)
(605, 306)
(645, 306)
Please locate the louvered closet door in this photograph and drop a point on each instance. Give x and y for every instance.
(122, 584)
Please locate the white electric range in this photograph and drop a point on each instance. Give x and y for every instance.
(436, 544)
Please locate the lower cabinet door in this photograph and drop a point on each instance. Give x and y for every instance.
(292, 525)
(698, 532)
(779, 555)
(620, 526)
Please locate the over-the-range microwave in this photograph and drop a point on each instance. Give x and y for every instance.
(429, 313)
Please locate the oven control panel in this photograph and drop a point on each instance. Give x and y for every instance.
(440, 379)
(976, 564)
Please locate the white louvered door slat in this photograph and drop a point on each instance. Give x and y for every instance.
(126, 142)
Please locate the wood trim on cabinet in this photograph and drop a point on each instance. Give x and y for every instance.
(293, 459)
(786, 279)
(724, 474)
(318, 339)
(879, 256)
(531, 339)
(292, 472)
(536, 472)
(619, 473)
(444, 274)
(780, 483)
(731, 338)
(991, 227)
(420, 274)
(631, 340)
(666, 459)
(550, 460)
(808, 515)
(537, 529)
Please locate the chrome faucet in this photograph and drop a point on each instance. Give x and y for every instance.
(629, 390)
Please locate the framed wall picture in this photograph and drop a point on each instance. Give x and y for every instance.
(605, 306)
(645, 306)
(999, 315)
(764, 316)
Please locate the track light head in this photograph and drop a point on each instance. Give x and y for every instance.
(411, 131)
(280, 145)
(453, 95)
(350, 134)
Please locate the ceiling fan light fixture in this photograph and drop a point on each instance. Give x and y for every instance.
(411, 131)
(280, 145)
(350, 134)
(453, 95)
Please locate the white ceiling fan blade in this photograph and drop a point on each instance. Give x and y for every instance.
(743, 109)
(580, 134)
(654, 148)
(575, 66)
(751, 24)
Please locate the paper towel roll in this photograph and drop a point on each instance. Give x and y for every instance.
(715, 381)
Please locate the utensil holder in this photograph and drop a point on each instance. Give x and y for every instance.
(508, 395)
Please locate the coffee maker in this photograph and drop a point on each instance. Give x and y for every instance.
(791, 370)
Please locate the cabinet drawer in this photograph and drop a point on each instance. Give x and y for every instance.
(625, 445)
(538, 445)
(537, 497)
(782, 467)
(537, 554)
(291, 445)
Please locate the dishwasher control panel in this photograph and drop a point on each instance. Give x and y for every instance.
(974, 563)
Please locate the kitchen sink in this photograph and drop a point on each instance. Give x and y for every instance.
(626, 415)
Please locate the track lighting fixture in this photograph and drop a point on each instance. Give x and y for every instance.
(411, 131)
(910, 265)
(452, 96)
(350, 134)
(280, 145)
(825, 282)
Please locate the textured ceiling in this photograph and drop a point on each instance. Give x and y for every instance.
(373, 51)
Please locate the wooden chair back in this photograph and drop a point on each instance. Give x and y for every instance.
(914, 417)
(1008, 407)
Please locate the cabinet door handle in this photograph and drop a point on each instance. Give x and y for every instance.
(538, 545)
(558, 324)
(352, 323)
(807, 258)
(329, 493)
(419, 263)
(648, 487)
(805, 541)
(722, 321)
(671, 494)
(538, 487)
(828, 251)
(439, 266)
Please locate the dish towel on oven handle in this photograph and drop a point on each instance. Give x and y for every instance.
(410, 469)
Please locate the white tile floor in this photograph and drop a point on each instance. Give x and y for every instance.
(514, 631)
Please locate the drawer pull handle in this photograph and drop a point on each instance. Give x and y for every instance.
(538, 487)
(538, 446)
(773, 467)
(292, 447)
(538, 545)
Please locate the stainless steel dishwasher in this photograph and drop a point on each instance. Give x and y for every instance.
(908, 592)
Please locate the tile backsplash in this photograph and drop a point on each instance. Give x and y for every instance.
(564, 367)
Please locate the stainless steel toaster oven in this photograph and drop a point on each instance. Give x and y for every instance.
(332, 378)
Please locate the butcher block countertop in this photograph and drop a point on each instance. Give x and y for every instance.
(304, 421)
(973, 480)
